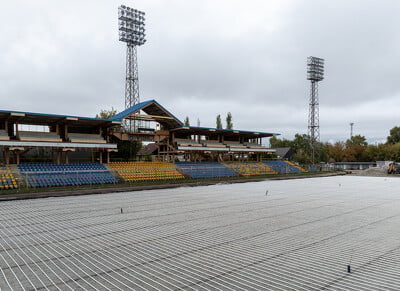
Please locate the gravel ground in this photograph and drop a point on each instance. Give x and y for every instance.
(277, 235)
(372, 172)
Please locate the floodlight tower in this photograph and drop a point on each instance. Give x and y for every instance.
(131, 31)
(315, 73)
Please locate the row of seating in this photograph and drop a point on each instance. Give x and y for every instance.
(51, 167)
(38, 136)
(282, 167)
(250, 168)
(4, 135)
(54, 137)
(50, 175)
(297, 166)
(205, 170)
(87, 138)
(145, 171)
(232, 145)
(7, 178)
(69, 179)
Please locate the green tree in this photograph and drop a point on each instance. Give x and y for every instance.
(229, 124)
(302, 148)
(105, 114)
(376, 152)
(357, 140)
(219, 122)
(127, 150)
(394, 136)
(186, 122)
(302, 141)
(275, 142)
(392, 152)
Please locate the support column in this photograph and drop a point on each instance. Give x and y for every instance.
(66, 131)
(59, 156)
(7, 156)
(108, 157)
(17, 154)
(100, 157)
(67, 157)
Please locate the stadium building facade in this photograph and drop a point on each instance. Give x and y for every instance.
(148, 121)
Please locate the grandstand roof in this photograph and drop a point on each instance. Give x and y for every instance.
(154, 109)
(47, 119)
(44, 144)
(224, 132)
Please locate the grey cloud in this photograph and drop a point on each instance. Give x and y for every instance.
(205, 58)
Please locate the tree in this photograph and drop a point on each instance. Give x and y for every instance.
(275, 142)
(394, 136)
(187, 122)
(127, 150)
(302, 148)
(106, 114)
(335, 151)
(357, 140)
(376, 152)
(229, 124)
(302, 141)
(392, 152)
(355, 149)
(219, 122)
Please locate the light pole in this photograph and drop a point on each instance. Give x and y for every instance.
(131, 31)
(315, 73)
(351, 129)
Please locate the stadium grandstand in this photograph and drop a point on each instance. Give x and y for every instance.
(177, 151)
(61, 134)
(151, 122)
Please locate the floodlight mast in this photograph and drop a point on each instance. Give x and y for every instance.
(315, 73)
(131, 31)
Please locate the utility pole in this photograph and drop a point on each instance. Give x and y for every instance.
(351, 129)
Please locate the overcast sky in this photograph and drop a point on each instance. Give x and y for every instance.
(209, 57)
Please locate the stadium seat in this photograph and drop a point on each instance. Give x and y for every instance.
(146, 171)
(4, 135)
(7, 178)
(86, 138)
(205, 169)
(250, 168)
(283, 167)
(52, 175)
(38, 136)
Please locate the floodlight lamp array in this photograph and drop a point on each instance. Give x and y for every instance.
(131, 25)
(315, 69)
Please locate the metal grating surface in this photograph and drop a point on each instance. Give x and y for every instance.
(300, 236)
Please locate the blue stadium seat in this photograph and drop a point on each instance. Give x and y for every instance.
(282, 167)
(51, 175)
(205, 169)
